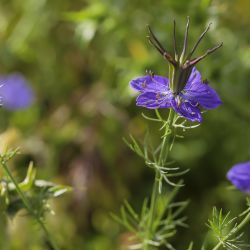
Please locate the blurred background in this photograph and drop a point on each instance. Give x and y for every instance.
(78, 57)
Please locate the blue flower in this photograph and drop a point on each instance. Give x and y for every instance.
(15, 92)
(155, 93)
(239, 176)
(186, 93)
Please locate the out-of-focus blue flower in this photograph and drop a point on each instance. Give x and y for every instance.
(239, 175)
(155, 93)
(15, 92)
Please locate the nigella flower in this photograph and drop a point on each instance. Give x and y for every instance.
(185, 91)
(15, 92)
(239, 175)
(155, 93)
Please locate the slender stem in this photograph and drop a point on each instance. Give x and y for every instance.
(165, 147)
(234, 231)
(154, 197)
(165, 143)
(27, 205)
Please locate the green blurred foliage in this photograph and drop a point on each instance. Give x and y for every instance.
(79, 57)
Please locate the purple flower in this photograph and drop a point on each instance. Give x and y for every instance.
(239, 175)
(155, 93)
(186, 93)
(15, 92)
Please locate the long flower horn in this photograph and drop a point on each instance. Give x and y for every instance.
(199, 40)
(208, 52)
(185, 40)
(174, 42)
(155, 42)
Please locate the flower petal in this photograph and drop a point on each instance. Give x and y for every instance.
(239, 175)
(187, 110)
(198, 92)
(16, 92)
(150, 83)
(203, 94)
(194, 78)
(152, 100)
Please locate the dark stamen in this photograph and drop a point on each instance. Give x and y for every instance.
(210, 51)
(199, 40)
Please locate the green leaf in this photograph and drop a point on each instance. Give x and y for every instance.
(59, 190)
(29, 180)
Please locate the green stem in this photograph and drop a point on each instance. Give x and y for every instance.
(165, 148)
(154, 197)
(234, 231)
(165, 143)
(27, 205)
